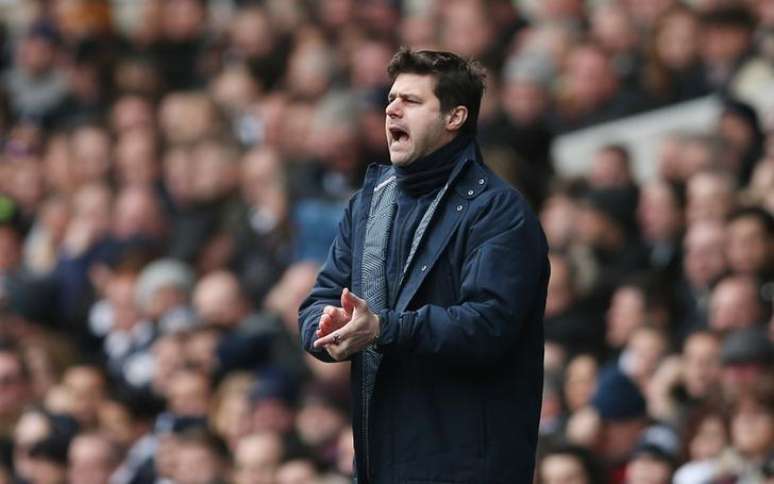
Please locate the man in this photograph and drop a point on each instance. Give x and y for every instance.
(435, 289)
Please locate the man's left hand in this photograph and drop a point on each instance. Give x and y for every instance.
(359, 332)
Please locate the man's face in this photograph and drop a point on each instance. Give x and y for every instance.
(701, 365)
(414, 121)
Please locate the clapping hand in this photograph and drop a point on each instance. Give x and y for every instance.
(348, 329)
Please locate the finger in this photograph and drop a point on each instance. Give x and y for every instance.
(346, 302)
(325, 340)
(339, 315)
(334, 338)
(324, 324)
(352, 300)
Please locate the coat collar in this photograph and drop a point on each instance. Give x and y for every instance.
(466, 182)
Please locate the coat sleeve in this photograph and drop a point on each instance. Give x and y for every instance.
(334, 276)
(504, 277)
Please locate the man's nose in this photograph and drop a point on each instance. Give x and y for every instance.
(393, 108)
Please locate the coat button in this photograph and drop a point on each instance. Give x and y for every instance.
(471, 192)
(459, 208)
(424, 268)
(480, 181)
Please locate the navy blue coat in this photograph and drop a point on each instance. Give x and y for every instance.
(458, 392)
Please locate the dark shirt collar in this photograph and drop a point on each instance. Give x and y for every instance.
(429, 173)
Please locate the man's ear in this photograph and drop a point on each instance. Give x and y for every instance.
(456, 118)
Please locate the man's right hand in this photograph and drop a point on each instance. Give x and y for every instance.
(334, 318)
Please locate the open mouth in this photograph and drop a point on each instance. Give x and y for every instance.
(398, 134)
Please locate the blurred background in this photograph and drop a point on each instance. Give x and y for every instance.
(172, 173)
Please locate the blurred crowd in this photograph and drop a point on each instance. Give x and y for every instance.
(172, 173)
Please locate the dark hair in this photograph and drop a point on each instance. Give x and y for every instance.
(459, 82)
(729, 17)
(764, 218)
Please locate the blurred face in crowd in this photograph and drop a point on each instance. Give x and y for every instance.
(137, 213)
(619, 437)
(10, 250)
(701, 364)
(646, 469)
(415, 124)
(309, 72)
(273, 415)
(132, 112)
(558, 219)
(613, 28)
(263, 182)
(704, 259)
(36, 55)
(626, 313)
(31, 428)
(466, 29)
(115, 420)
(91, 152)
(610, 169)
(710, 197)
(13, 387)
(25, 184)
(178, 175)
(676, 39)
(187, 118)
(562, 469)
(234, 90)
(298, 471)
(749, 248)
(710, 439)
(168, 358)
(524, 100)
(215, 171)
(189, 393)
(250, 34)
(87, 387)
(318, 423)
(590, 80)
(644, 349)
(257, 458)
(120, 295)
(724, 44)
(580, 381)
(196, 463)
(658, 212)
(232, 419)
(735, 304)
(182, 19)
(92, 459)
(752, 429)
(218, 299)
(368, 63)
(135, 158)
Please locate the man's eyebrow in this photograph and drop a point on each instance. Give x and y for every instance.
(404, 95)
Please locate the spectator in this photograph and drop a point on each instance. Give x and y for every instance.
(654, 458)
(735, 304)
(35, 84)
(257, 458)
(749, 243)
(92, 459)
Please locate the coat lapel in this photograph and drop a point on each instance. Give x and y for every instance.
(450, 212)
